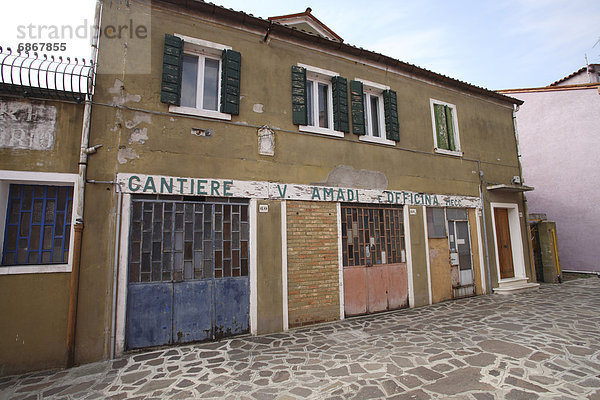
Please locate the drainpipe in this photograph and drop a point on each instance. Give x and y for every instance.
(485, 236)
(78, 226)
(525, 208)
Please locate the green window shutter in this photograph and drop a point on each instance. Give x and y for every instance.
(441, 126)
(450, 128)
(299, 100)
(170, 91)
(357, 108)
(340, 104)
(230, 81)
(390, 105)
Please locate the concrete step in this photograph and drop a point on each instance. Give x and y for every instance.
(515, 286)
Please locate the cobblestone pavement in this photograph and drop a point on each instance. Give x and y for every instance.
(542, 344)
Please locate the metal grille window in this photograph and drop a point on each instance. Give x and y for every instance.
(372, 235)
(38, 225)
(187, 240)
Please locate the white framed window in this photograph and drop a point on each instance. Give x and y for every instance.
(319, 101)
(36, 228)
(201, 79)
(444, 121)
(374, 113)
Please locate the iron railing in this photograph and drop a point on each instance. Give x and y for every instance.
(46, 77)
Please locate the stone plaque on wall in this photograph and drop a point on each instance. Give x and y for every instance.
(27, 125)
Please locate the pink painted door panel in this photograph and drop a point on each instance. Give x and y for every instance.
(398, 286)
(355, 291)
(377, 285)
(375, 288)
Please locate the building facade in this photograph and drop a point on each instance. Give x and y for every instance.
(258, 177)
(558, 132)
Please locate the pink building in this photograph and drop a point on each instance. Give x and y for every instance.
(559, 137)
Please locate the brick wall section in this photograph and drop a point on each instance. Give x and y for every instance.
(313, 274)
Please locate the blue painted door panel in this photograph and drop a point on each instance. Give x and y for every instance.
(149, 314)
(232, 306)
(192, 310)
(188, 271)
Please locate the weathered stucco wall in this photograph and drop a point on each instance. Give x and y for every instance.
(39, 135)
(559, 138)
(36, 136)
(419, 258)
(268, 269)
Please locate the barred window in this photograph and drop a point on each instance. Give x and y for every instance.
(372, 235)
(38, 225)
(188, 240)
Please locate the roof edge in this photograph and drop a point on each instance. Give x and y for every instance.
(552, 88)
(243, 18)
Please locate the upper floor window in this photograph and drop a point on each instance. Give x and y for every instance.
(374, 112)
(200, 82)
(319, 101)
(445, 128)
(200, 77)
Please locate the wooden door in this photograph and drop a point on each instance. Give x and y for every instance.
(503, 243)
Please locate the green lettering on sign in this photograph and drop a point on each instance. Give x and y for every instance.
(227, 188)
(201, 188)
(164, 185)
(181, 182)
(131, 184)
(149, 186)
(282, 193)
(214, 188)
(315, 194)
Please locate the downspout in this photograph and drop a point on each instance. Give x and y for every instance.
(78, 225)
(485, 236)
(525, 208)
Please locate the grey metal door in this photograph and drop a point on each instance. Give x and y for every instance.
(188, 271)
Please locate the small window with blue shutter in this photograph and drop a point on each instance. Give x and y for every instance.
(374, 112)
(200, 77)
(444, 120)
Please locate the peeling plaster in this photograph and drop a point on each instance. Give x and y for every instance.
(138, 118)
(258, 108)
(27, 125)
(139, 136)
(125, 154)
(347, 176)
(122, 97)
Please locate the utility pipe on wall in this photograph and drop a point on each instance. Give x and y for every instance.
(485, 237)
(78, 225)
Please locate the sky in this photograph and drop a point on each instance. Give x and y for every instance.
(500, 44)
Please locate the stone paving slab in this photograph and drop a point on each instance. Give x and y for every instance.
(543, 344)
